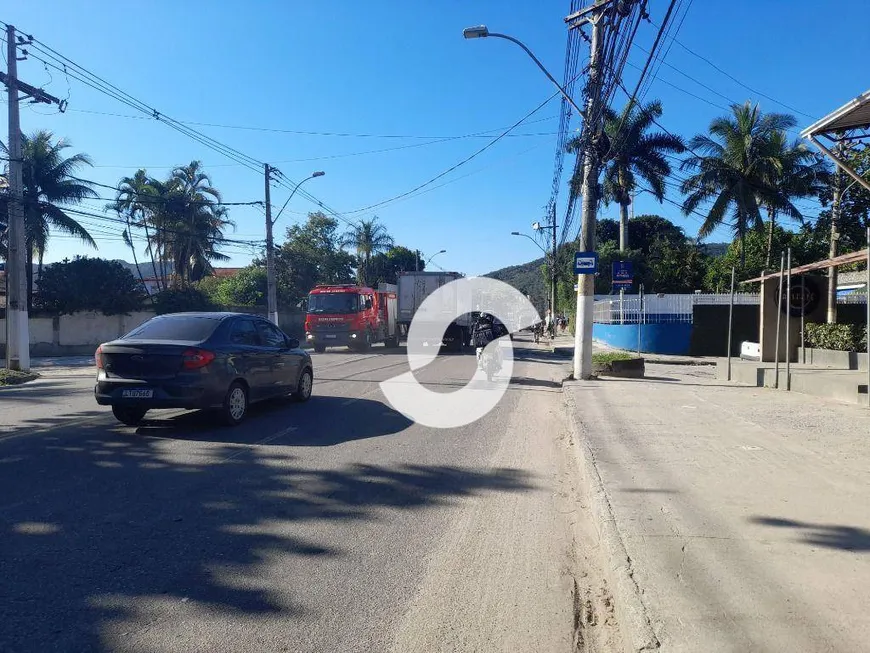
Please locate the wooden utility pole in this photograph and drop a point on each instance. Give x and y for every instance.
(17, 319)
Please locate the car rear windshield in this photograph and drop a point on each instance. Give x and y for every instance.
(193, 328)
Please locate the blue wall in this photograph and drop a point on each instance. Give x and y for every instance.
(673, 338)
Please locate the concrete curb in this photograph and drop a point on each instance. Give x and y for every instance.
(632, 616)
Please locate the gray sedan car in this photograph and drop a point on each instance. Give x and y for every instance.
(221, 361)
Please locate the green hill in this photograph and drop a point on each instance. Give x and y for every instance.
(528, 278)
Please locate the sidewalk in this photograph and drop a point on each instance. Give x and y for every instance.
(743, 513)
(60, 365)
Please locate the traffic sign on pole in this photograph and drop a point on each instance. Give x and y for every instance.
(586, 262)
(623, 273)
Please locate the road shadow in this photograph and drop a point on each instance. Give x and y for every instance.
(831, 536)
(34, 424)
(322, 421)
(41, 388)
(104, 532)
(535, 383)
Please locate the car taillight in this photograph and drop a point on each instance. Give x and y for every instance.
(193, 359)
(98, 357)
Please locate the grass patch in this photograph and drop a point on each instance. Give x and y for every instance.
(13, 377)
(603, 357)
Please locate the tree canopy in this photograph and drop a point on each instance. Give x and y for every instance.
(89, 284)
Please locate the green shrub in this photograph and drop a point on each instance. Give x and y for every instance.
(611, 356)
(182, 299)
(245, 288)
(841, 337)
(89, 284)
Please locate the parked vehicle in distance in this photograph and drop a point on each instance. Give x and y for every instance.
(222, 361)
(415, 287)
(355, 316)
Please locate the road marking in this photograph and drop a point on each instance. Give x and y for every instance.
(242, 448)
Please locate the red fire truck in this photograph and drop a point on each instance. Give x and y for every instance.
(352, 316)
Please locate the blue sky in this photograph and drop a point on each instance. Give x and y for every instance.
(390, 68)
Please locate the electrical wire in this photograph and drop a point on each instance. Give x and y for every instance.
(738, 81)
(460, 163)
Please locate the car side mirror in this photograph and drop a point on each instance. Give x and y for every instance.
(292, 343)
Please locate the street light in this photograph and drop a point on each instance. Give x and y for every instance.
(585, 294)
(271, 285)
(319, 173)
(481, 31)
(443, 251)
(426, 262)
(537, 244)
(552, 298)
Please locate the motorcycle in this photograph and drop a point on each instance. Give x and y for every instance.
(489, 361)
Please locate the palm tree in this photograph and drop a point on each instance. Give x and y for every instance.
(193, 222)
(135, 202)
(799, 172)
(733, 167)
(633, 153)
(368, 237)
(49, 182)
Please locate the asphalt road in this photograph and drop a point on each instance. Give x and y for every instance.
(336, 525)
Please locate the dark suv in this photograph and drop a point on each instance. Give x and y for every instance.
(222, 361)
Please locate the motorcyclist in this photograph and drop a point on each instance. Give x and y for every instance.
(485, 329)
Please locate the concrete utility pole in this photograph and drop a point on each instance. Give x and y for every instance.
(17, 333)
(17, 323)
(586, 282)
(554, 263)
(271, 283)
(271, 288)
(833, 247)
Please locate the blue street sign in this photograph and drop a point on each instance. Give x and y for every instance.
(623, 271)
(585, 263)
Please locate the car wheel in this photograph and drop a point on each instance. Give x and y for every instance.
(129, 415)
(320, 348)
(235, 406)
(304, 387)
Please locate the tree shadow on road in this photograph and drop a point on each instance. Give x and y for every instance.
(832, 536)
(322, 421)
(106, 536)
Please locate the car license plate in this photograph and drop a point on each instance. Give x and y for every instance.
(330, 336)
(137, 393)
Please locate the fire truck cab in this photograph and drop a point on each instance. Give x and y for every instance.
(351, 316)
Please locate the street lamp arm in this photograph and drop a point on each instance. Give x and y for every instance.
(428, 260)
(541, 66)
(275, 219)
(517, 233)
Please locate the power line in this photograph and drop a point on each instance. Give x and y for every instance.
(157, 228)
(633, 97)
(460, 163)
(737, 81)
(487, 133)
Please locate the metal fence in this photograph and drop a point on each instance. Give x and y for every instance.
(851, 298)
(659, 309)
(662, 309)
